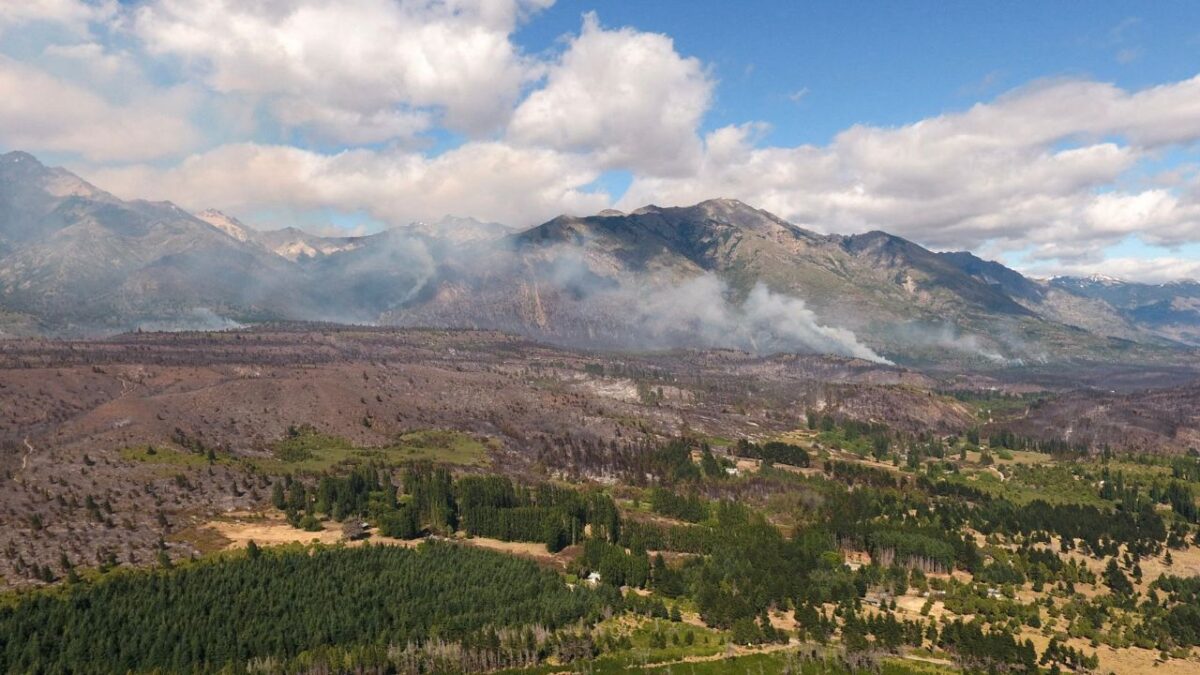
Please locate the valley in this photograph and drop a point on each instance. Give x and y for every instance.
(552, 337)
(698, 438)
(899, 521)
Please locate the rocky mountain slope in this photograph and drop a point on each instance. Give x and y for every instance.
(76, 260)
(606, 278)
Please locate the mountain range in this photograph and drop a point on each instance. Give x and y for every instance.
(76, 260)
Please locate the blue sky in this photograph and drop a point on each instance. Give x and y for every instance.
(814, 69)
(892, 63)
(1059, 137)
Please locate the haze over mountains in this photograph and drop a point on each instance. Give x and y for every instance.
(76, 260)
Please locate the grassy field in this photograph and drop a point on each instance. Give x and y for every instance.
(313, 452)
(204, 539)
(166, 461)
(309, 451)
(1052, 483)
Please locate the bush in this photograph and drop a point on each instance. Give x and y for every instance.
(310, 523)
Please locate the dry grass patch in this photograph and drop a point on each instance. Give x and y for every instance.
(203, 538)
(272, 532)
(1185, 563)
(524, 549)
(1134, 660)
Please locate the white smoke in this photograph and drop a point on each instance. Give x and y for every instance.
(699, 312)
(947, 336)
(195, 318)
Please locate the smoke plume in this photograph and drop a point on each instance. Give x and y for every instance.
(700, 312)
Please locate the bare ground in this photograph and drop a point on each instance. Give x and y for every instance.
(68, 410)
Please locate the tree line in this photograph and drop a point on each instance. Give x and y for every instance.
(203, 616)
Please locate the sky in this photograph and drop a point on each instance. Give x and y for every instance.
(1060, 138)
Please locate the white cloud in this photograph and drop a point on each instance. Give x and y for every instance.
(97, 64)
(1128, 55)
(798, 95)
(1155, 270)
(41, 112)
(336, 124)
(489, 180)
(624, 95)
(1158, 215)
(353, 70)
(1035, 167)
(74, 15)
(1052, 169)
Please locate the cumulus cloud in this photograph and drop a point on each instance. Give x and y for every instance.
(1034, 167)
(73, 15)
(335, 124)
(295, 114)
(40, 111)
(95, 63)
(488, 180)
(1153, 270)
(624, 95)
(356, 72)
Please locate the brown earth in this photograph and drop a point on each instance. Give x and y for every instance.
(69, 409)
(69, 412)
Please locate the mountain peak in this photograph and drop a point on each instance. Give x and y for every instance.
(723, 209)
(225, 223)
(725, 203)
(1090, 280)
(24, 167)
(1182, 283)
(877, 241)
(459, 229)
(19, 156)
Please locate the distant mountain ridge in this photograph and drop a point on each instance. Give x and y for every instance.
(898, 296)
(76, 260)
(296, 244)
(1170, 309)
